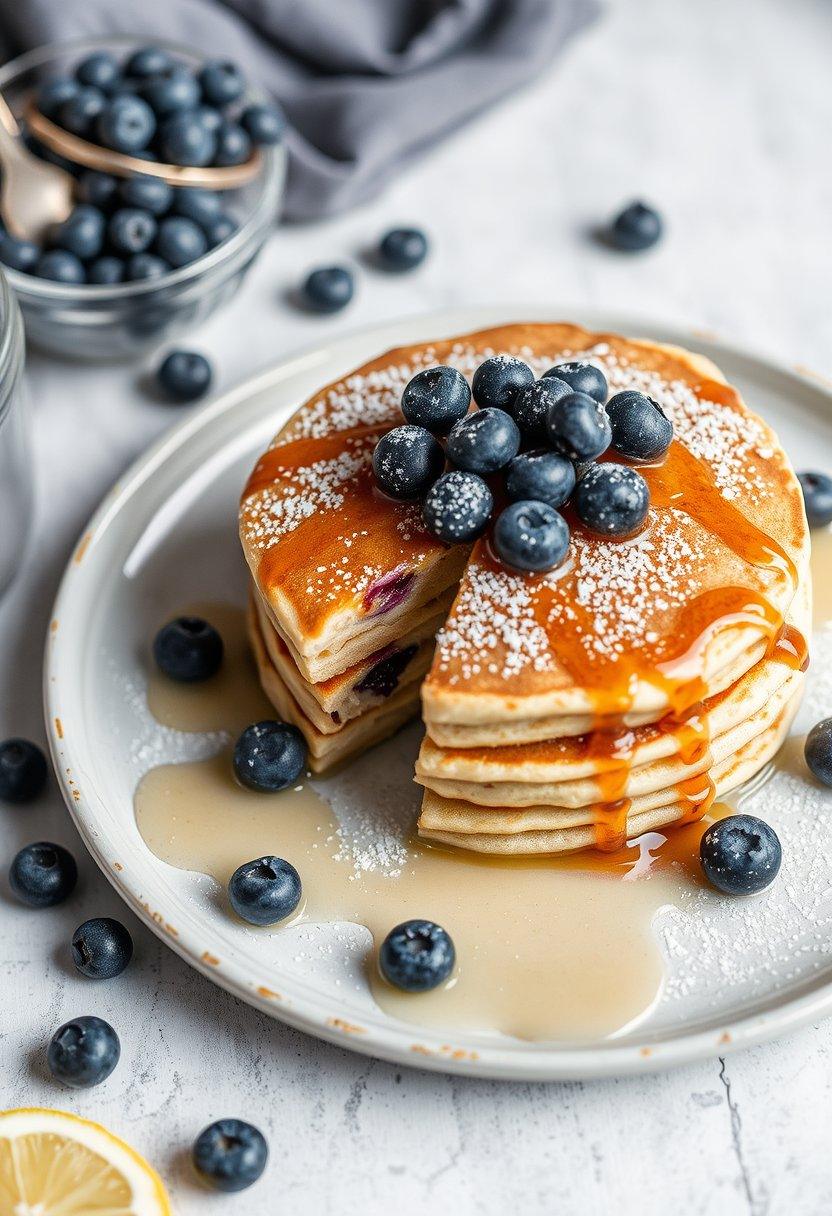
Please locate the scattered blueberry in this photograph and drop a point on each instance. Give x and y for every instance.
(640, 427)
(188, 649)
(533, 404)
(233, 144)
(148, 61)
(265, 891)
(416, 956)
(146, 266)
(436, 398)
(82, 232)
(171, 91)
(269, 756)
(43, 874)
(184, 139)
(265, 124)
(78, 113)
(328, 289)
(816, 487)
(218, 229)
(407, 461)
(101, 948)
(96, 188)
(131, 229)
(578, 427)
(611, 499)
(184, 375)
(458, 507)
(61, 267)
(740, 855)
(403, 248)
(230, 1155)
(23, 770)
(818, 751)
(531, 536)
(126, 124)
(201, 206)
(222, 82)
(581, 378)
(106, 271)
(150, 193)
(540, 476)
(54, 93)
(83, 1052)
(499, 381)
(19, 255)
(635, 228)
(99, 69)
(180, 241)
(483, 441)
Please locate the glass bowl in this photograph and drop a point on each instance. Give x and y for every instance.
(15, 459)
(127, 319)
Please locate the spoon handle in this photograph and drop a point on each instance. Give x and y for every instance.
(7, 119)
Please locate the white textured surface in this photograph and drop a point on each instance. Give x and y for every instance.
(721, 114)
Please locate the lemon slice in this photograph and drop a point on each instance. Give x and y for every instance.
(55, 1164)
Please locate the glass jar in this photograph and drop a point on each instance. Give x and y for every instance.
(16, 475)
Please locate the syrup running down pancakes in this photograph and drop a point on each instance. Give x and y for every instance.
(614, 695)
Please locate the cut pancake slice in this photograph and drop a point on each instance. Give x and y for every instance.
(353, 738)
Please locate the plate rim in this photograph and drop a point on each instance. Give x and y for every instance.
(398, 1042)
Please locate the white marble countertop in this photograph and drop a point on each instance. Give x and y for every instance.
(720, 113)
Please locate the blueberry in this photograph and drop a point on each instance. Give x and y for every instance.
(148, 61)
(611, 499)
(818, 751)
(23, 770)
(635, 228)
(82, 232)
(499, 381)
(533, 404)
(230, 1155)
(816, 487)
(19, 255)
(54, 93)
(218, 229)
(578, 427)
(416, 956)
(199, 205)
(407, 461)
(99, 69)
(78, 113)
(210, 117)
(96, 188)
(126, 124)
(483, 441)
(328, 289)
(581, 378)
(436, 398)
(83, 1052)
(150, 193)
(265, 891)
(185, 140)
(180, 241)
(458, 507)
(184, 375)
(640, 427)
(265, 124)
(403, 248)
(171, 91)
(233, 144)
(269, 756)
(101, 948)
(106, 271)
(43, 874)
(541, 476)
(131, 229)
(188, 649)
(740, 855)
(222, 82)
(531, 536)
(61, 267)
(383, 677)
(143, 266)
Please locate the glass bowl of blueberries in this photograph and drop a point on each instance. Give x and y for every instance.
(139, 261)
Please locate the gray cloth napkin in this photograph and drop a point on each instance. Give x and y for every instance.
(368, 85)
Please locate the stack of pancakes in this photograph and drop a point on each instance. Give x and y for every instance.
(617, 694)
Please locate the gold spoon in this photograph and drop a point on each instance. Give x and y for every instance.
(33, 193)
(93, 156)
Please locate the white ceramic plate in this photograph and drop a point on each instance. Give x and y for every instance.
(166, 535)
